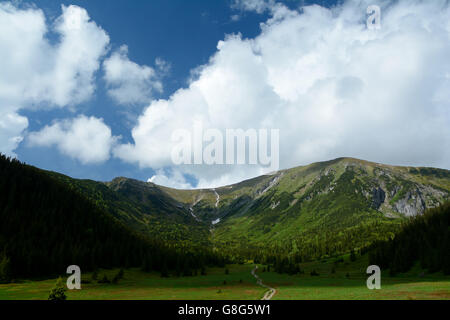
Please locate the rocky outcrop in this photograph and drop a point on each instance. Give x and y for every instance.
(378, 197)
(269, 185)
(411, 205)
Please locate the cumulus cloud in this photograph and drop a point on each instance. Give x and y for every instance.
(258, 6)
(87, 139)
(11, 127)
(332, 87)
(173, 179)
(37, 72)
(129, 82)
(163, 66)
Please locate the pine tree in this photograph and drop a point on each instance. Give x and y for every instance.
(58, 293)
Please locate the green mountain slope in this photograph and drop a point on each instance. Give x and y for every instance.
(45, 227)
(49, 221)
(320, 209)
(312, 211)
(144, 207)
(424, 239)
(308, 212)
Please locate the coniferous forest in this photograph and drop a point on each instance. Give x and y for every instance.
(46, 226)
(49, 221)
(424, 239)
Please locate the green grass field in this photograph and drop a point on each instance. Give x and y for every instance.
(140, 286)
(348, 282)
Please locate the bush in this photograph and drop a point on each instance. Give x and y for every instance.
(58, 293)
(314, 273)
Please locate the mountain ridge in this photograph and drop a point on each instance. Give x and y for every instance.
(315, 210)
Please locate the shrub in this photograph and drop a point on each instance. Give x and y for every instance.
(58, 293)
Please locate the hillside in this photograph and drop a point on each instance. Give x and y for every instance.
(312, 211)
(319, 209)
(424, 239)
(145, 208)
(309, 212)
(47, 225)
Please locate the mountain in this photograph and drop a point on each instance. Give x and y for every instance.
(319, 209)
(309, 212)
(48, 223)
(145, 208)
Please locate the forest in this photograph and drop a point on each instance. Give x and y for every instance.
(46, 226)
(424, 239)
(48, 222)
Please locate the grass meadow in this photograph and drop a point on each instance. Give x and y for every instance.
(344, 280)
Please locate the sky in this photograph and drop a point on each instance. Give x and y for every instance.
(96, 90)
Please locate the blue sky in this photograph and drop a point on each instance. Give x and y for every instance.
(184, 33)
(332, 87)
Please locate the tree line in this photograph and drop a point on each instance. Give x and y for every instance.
(424, 239)
(46, 226)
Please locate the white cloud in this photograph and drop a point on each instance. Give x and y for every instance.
(163, 66)
(87, 139)
(259, 6)
(235, 17)
(36, 72)
(11, 127)
(129, 82)
(172, 179)
(331, 86)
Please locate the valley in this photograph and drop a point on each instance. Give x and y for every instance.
(348, 282)
(311, 231)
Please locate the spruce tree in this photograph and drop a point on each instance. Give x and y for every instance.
(58, 292)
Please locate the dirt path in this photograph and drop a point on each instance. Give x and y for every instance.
(269, 294)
